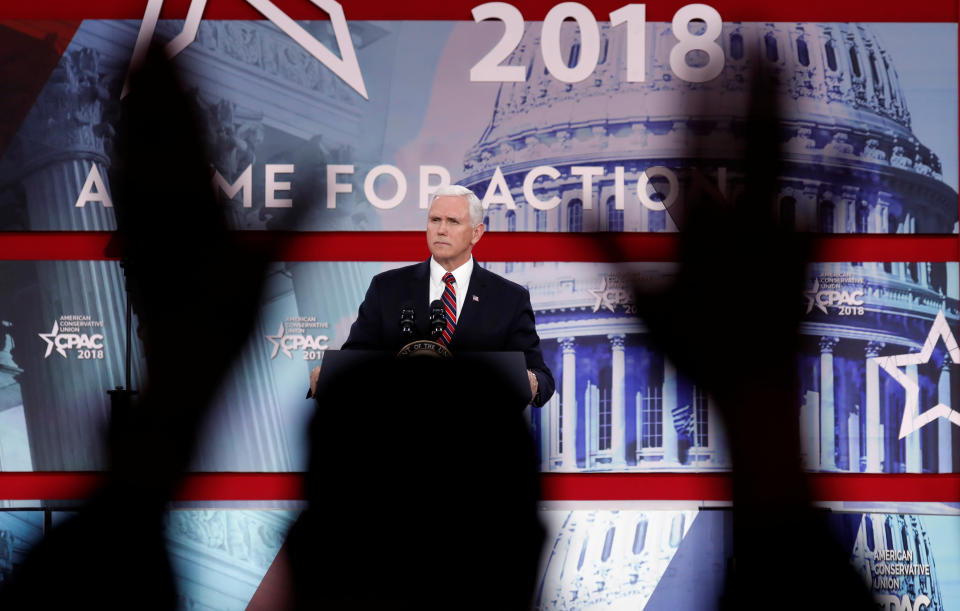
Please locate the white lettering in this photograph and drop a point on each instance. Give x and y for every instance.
(528, 180)
(619, 181)
(334, 187)
(426, 188)
(244, 183)
(87, 194)
(370, 192)
(273, 185)
(644, 180)
(587, 172)
(498, 192)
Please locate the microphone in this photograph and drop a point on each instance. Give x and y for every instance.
(438, 321)
(406, 320)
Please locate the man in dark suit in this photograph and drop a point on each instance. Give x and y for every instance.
(484, 312)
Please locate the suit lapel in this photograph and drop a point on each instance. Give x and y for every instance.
(468, 320)
(420, 291)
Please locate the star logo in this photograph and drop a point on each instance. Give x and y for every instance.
(811, 297)
(603, 297)
(51, 339)
(276, 341)
(912, 419)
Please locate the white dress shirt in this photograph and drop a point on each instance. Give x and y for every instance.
(461, 274)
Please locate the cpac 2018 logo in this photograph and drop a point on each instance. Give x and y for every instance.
(86, 346)
(848, 303)
(312, 345)
(890, 601)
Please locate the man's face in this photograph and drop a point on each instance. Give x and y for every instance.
(449, 235)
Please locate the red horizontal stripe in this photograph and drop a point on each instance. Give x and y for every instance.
(662, 10)
(940, 488)
(198, 486)
(519, 246)
(932, 488)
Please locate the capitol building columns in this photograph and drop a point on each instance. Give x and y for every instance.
(568, 405)
(944, 426)
(618, 446)
(874, 435)
(911, 443)
(827, 404)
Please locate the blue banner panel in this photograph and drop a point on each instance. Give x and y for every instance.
(877, 368)
(600, 127)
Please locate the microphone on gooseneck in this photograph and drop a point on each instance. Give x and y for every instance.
(406, 320)
(438, 321)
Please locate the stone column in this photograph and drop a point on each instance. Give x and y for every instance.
(923, 274)
(853, 440)
(547, 418)
(848, 205)
(568, 398)
(944, 426)
(671, 447)
(61, 144)
(618, 405)
(914, 457)
(807, 207)
(874, 434)
(810, 430)
(827, 405)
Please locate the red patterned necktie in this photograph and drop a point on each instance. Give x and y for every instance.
(449, 300)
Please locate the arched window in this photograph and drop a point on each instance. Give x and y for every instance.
(788, 212)
(651, 417)
(676, 529)
(877, 85)
(605, 430)
(855, 62)
(511, 220)
(803, 54)
(831, 56)
(889, 533)
(614, 216)
(583, 554)
(603, 52)
(575, 216)
(608, 544)
(770, 46)
(868, 527)
(540, 217)
(826, 216)
(701, 419)
(574, 56)
(486, 222)
(640, 536)
(912, 273)
(863, 218)
(736, 46)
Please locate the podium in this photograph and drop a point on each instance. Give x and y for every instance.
(506, 369)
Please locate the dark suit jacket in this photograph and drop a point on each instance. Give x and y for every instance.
(501, 318)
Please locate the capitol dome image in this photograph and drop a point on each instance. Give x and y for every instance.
(853, 165)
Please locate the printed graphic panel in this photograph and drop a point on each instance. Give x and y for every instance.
(627, 558)
(587, 136)
(877, 367)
